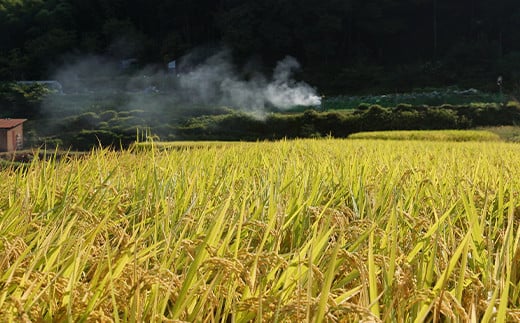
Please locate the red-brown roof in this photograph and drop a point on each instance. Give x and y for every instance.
(10, 123)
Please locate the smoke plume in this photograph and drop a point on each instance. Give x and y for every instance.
(209, 84)
(217, 81)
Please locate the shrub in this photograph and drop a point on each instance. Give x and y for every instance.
(404, 106)
(108, 115)
(406, 120)
(438, 118)
(513, 104)
(447, 106)
(376, 109)
(51, 143)
(88, 139)
(363, 106)
(87, 120)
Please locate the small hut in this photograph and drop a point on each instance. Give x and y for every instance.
(11, 134)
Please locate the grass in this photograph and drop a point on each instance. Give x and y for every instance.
(429, 135)
(307, 230)
(506, 133)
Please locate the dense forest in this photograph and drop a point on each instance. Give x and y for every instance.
(344, 45)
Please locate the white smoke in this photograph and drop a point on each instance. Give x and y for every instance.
(217, 81)
(283, 92)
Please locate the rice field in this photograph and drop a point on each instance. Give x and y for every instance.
(308, 230)
(429, 135)
(178, 145)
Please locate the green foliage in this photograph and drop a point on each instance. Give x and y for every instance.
(21, 100)
(51, 143)
(88, 139)
(404, 107)
(20, 93)
(438, 118)
(363, 106)
(117, 126)
(108, 115)
(428, 96)
(345, 45)
(513, 105)
(343, 123)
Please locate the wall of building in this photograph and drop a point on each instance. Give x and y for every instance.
(11, 139)
(3, 139)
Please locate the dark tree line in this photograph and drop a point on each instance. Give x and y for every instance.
(340, 124)
(438, 40)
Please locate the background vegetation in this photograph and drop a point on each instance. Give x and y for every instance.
(355, 45)
(452, 52)
(81, 124)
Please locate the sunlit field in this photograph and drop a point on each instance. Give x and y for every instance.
(309, 230)
(429, 135)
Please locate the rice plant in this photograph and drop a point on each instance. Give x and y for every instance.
(308, 230)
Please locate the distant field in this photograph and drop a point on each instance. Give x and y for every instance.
(176, 145)
(289, 231)
(506, 133)
(429, 135)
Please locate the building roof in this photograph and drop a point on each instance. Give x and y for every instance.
(10, 123)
